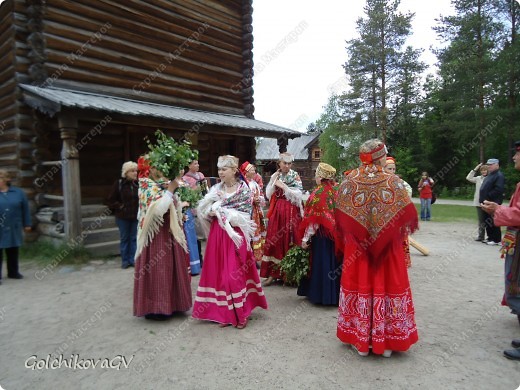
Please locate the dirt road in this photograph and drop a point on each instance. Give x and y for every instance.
(85, 315)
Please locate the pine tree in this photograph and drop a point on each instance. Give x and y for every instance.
(376, 63)
(467, 65)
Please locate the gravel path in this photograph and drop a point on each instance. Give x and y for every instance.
(86, 313)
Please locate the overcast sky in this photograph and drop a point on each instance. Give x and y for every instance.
(299, 50)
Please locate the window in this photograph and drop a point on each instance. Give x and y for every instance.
(316, 154)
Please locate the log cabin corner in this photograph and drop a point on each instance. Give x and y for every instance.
(84, 82)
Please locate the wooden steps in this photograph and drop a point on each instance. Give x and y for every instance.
(98, 225)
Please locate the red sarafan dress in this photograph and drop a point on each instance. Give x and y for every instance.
(373, 215)
(284, 217)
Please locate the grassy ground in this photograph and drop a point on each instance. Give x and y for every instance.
(451, 213)
(44, 252)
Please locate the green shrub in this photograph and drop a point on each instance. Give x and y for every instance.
(295, 265)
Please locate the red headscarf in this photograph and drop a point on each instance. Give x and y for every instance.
(245, 167)
(373, 155)
(143, 166)
(390, 160)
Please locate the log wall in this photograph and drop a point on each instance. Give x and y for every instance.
(16, 120)
(102, 151)
(185, 53)
(8, 108)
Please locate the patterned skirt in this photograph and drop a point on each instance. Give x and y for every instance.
(162, 276)
(258, 241)
(375, 303)
(229, 287)
(282, 229)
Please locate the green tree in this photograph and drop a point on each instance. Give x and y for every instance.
(405, 101)
(337, 140)
(507, 85)
(378, 67)
(467, 65)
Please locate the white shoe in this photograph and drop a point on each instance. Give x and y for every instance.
(492, 243)
(360, 353)
(387, 353)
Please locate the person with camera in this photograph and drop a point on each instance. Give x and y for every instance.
(425, 194)
(478, 180)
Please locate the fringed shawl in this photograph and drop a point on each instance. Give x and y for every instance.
(319, 209)
(375, 208)
(230, 211)
(153, 204)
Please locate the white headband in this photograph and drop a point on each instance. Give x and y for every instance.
(287, 157)
(227, 161)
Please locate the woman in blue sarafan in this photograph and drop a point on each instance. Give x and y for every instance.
(14, 217)
(323, 282)
(191, 239)
(194, 179)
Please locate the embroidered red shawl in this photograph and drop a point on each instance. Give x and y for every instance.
(374, 207)
(319, 209)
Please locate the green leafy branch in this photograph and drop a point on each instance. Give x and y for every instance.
(192, 196)
(169, 156)
(295, 265)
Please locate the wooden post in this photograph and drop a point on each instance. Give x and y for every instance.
(68, 126)
(282, 142)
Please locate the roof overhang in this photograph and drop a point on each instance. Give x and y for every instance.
(54, 100)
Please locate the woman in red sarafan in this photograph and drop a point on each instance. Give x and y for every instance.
(373, 215)
(285, 192)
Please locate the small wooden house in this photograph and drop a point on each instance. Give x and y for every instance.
(84, 82)
(307, 156)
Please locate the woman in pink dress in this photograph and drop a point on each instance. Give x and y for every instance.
(229, 287)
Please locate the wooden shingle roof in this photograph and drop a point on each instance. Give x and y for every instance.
(54, 100)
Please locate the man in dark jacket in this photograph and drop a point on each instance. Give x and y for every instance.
(492, 190)
(124, 203)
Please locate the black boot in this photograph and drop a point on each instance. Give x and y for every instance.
(157, 317)
(199, 245)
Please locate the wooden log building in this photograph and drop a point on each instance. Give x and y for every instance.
(82, 83)
(307, 155)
